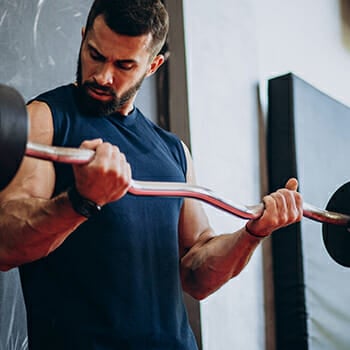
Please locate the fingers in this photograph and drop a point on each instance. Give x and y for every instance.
(287, 204)
(282, 208)
(107, 177)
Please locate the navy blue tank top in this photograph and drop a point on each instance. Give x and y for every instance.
(114, 283)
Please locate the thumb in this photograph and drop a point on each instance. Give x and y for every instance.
(292, 184)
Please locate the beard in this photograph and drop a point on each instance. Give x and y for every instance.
(92, 106)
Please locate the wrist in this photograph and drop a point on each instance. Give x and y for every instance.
(82, 205)
(252, 233)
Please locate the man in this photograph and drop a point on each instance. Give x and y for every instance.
(102, 269)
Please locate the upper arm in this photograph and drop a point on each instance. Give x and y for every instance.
(194, 228)
(35, 178)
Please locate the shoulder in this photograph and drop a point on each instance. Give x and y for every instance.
(35, 177)
(40, 122)
(43, 111)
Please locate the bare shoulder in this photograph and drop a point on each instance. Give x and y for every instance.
(35, 178)
(40, 121)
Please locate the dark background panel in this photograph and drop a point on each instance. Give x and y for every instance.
(322, 127)
(309, 138)
(288, 276)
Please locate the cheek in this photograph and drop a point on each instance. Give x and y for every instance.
(87, 68)
(86, 71)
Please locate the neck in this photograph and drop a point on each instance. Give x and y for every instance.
(127, 109)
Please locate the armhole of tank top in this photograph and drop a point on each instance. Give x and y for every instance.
(176, 143)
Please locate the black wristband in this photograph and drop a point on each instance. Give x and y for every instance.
(81, 205)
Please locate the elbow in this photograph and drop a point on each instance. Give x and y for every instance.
(196, 287)
(200, 289)
(5, 268)
(12, 258)
(7, 263)
(199, 296)
(198, 293)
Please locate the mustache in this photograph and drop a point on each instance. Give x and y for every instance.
(105, 89)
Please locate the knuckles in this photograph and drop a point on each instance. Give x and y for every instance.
(107, 177)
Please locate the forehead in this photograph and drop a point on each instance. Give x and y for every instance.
(110, 43)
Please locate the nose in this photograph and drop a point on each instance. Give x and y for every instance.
(104, 75)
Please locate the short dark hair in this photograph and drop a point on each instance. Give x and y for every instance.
(133, 18)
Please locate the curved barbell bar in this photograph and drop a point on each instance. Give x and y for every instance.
(179, 189)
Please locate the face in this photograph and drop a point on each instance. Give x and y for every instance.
(112, 67)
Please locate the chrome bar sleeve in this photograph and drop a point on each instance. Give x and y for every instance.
(59, 154)
(325, 216)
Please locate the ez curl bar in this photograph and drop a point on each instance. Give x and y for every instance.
(14, 146)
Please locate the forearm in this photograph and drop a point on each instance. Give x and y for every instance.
(211, 263)
(32, 228)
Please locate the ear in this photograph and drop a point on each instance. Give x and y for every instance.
(155, 64)
(83, 32)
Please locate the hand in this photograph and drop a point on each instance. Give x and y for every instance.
(282, 208)
(107, 177)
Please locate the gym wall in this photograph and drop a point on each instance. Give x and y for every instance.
(232, 49)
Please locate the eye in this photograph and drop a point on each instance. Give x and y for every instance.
(95, 55)
(125, 65)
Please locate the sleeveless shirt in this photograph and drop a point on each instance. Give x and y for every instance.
(114, 283)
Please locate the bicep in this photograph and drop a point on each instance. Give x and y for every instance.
(35, 178)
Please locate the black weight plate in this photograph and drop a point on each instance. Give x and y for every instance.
(337, 238)
(13, 133)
